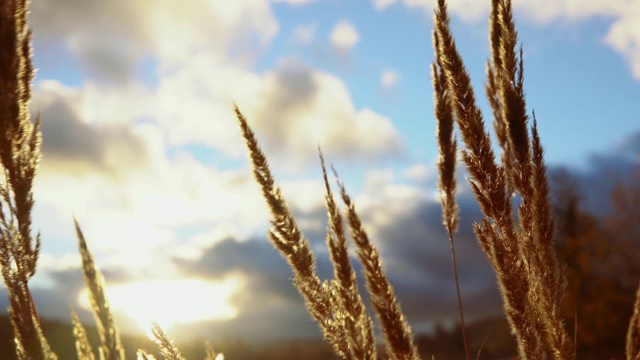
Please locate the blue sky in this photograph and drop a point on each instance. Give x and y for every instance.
(141, 145)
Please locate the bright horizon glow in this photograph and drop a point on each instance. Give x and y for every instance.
(171, 302)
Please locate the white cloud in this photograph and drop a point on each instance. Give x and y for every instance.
(144, 190)
(297, 108)
(193, 104)
(389, 78)
(304, 34)
(294, 2)
(418, 173)
(383, 199)
(383, 4)
(344, 35)
(292, 108)
(136, 216)
(84, 133)
(624, 37)
(135, 223)
(112, 38)
(134, 220)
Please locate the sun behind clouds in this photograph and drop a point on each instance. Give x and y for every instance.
(171, 302)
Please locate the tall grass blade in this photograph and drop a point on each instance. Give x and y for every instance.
(83, 348)
(521, 250)
(633, 333)
(111, 345)
(397, 333)
(211, 354)
(143, 355)
(358, 324)
(294, 247)
(167, 349)
(446, 173)
(19, 156)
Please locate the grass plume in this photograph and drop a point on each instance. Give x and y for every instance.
(143, 355)
(83, 348)
(520, 250)
(341, 323)
(111, 345)
(446, 177)
(288, 239)
(210, 354)
(20, 141)
(358, 324)
(168, 350)
(633, 333)
(398, 336)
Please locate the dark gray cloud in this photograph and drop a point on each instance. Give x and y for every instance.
(295, 86)
(595, 181)
(77, 146)
(416, 251)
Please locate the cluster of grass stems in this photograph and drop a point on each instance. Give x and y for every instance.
(518, 242)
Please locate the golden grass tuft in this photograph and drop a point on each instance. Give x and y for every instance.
(288, 239)
(111, 346)
(521, 249)
(344, 323)
(19, 155)
(168, 350)
(211, 354)
(399, 340)
(633, 333)
(143, 355)
(359, 327)
(83, 347)
(447, 145)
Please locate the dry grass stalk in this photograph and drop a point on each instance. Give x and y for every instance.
(211, 354)
(19, 155)
(633, 334)
(491, 87)
(496, 237)
(358, 324)
(167, 349)
(527, 173)
(111, 346)
(446, 173)
(83, 348)
(397, 333)
(447, 150)
(143, 355)
(521, 251)
(288, 239)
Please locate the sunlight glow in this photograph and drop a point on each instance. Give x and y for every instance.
(171, 302)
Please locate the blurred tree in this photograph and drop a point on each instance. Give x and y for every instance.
(624, 226)
(601, 258)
